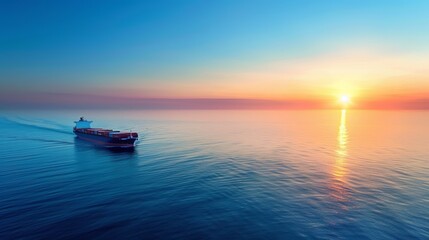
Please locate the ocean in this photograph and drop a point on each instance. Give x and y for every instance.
(310, 174)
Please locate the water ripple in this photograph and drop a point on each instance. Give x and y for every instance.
(265, 178)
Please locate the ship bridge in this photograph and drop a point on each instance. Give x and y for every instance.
(83, 123)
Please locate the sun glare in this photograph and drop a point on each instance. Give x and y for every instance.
(344, 99)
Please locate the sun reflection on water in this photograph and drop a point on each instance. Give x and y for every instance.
(339, 171)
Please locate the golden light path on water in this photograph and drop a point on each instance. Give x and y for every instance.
(339, 172)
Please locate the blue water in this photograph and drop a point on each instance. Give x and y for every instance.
(217, 175)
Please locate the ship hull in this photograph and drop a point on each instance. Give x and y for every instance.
(107, 142)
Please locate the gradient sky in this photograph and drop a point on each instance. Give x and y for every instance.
(305, 53)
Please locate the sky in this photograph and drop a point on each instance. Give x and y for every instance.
(215, 54)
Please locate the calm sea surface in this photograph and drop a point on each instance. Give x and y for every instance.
(217, 175)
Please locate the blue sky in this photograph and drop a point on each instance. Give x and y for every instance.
(61, 46)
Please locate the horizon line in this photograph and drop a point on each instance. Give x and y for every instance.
(87, 101)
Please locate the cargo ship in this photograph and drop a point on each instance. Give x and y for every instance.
(104, 137)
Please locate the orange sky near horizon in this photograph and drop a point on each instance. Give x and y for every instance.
(366, 75)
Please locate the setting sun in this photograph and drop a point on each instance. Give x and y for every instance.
(345, 99)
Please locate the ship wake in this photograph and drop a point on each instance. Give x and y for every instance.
(40, 124)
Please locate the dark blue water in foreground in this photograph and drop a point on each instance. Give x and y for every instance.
(217, 175)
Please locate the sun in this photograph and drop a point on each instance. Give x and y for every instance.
(345, 99)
